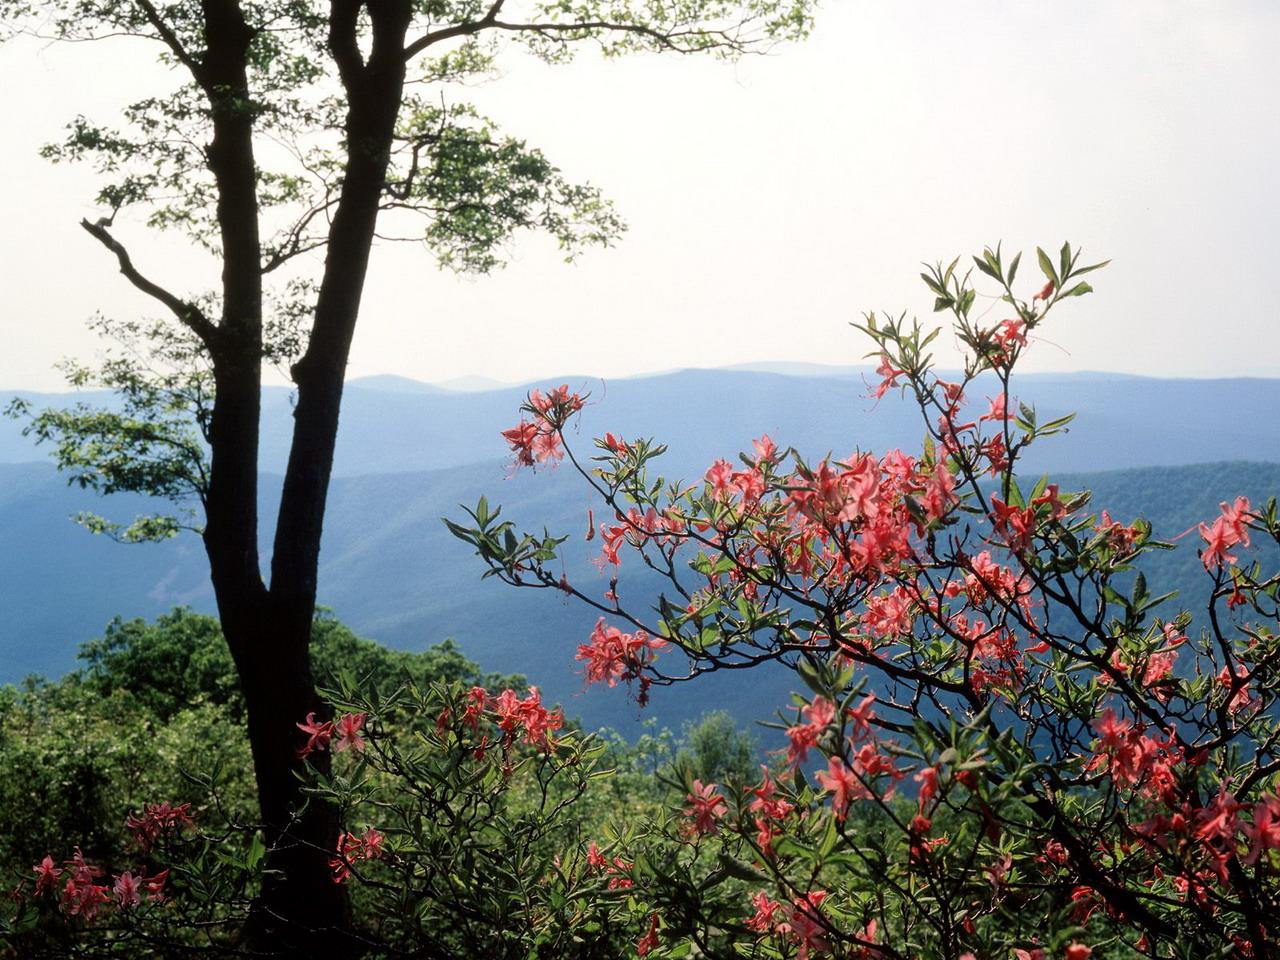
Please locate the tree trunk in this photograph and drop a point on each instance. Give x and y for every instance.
(301, 912)
(374, 91)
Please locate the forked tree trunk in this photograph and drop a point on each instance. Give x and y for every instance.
(301, 912)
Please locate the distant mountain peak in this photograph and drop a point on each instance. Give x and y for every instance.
(473, 384)
(394, 383)
(391, 383)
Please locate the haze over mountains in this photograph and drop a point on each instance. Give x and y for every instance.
(410, 453)
(393, 425)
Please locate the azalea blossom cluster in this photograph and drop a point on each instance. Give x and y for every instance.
(830, 535)
(612, 656)
(852, 538)
(352, 848)
(536, 439)
(1209, 835)
(344, 732)
(155, 820)
(848, 524)
(615, 868)
(802, 924)
(82, 889)
(705, 808)
(526, 718)
(858, 776)
(1226, 532)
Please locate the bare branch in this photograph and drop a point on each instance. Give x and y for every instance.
(297, 242)
(188, 313)
(667, 40)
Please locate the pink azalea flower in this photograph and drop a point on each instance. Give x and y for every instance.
(318, 735)
(1264, 832)
(765, 919)
(705, 807)
(521, 438)
(127, 889)
(47, 874)
(765, 449)
(650, 939)
(154, 820)
(814, 719)
(347, 732)
(720, 476)
(612, 655)
(889, 374)
(843, 785)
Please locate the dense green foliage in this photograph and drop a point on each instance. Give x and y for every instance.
(155, 701)
(74, 762)
(155, 713)
(181, 658)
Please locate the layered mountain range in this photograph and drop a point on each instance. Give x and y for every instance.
(411, 453)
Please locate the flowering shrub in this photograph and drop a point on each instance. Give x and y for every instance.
(465, 837)
(1012, 746)
(181, 887)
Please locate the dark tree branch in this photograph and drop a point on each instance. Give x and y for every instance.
(458, 30)
(297, 243)
(343, 41)
(666, 40)
(171, 40)
(188, 313)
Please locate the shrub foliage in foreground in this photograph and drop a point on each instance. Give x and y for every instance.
(1012, 745)
(482, 817)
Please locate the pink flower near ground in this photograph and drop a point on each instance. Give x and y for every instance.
(351, 849)
(47, 874)
(650, 939)
(156, 818)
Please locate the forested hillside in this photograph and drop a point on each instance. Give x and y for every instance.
(411, 453)
(392, 571)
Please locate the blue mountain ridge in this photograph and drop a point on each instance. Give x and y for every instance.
(392, 571)
(1123, 421)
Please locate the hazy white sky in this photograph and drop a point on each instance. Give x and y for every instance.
(772, 201)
